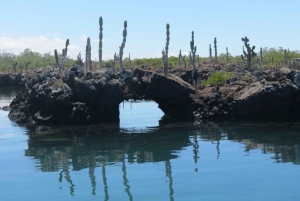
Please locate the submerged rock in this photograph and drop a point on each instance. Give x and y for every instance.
(5, 108)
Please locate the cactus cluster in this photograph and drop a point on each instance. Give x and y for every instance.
(165, 50)
(122, 46)
(88, 59)
(193, 51)
(100, 41)
(250, 54)
(61, 65)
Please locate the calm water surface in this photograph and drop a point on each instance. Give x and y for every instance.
(148, 156)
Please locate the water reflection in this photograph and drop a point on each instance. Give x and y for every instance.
(97, 149)
(169, 175)
(93, 148)
(279, 138)
(7, 94)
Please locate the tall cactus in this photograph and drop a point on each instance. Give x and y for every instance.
(250, 54)
(100, 41)
(286, 53)
(227, 54)
(114, 61)
(165, 51)
(179, 58)
(122, 47)
(193, 51)
(88, 60)
(261, 58)
(61, 65)
(129, 60)
(215, 45)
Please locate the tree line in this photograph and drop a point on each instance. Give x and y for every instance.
(29, 60)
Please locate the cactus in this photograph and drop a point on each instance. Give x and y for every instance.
(122, 46)
(179, 58)
(165, 51)
(14, 66)
(116, 59)
(100, 42)
(286, 52)
(21, 67)
(63, 56)
(193, 51)
(227, 54)
(261, 58)
(184, 61)
(250, 54)
(215, 45)
(79, 61)
(129, 60)
(26, 64)
(88, 61)
(210, 52)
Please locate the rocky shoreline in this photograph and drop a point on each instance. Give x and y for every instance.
(14, 79)
(75, 97)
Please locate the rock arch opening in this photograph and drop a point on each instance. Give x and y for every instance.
(139, 116)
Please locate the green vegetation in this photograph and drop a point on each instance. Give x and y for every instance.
(218, 78)
(34, 60)
(247, 77)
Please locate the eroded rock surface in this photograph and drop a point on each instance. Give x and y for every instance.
(77, 98)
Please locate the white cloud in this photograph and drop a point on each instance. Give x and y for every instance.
(39, 44)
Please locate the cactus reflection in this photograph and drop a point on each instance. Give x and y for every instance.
(91, 148)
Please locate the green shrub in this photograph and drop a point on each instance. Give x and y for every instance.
(218, 78)
(247, 77)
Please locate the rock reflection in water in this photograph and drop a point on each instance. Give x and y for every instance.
(280, 138)
(7, 94)
(103, 146)
(93, 148)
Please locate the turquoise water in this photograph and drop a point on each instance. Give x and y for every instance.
(148, 156)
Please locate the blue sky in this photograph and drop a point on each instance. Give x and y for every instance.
(44, 26)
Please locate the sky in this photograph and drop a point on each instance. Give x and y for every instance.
(44, 26)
